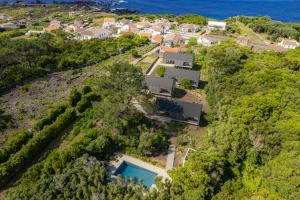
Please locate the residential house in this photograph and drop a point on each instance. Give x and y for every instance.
(189, 28)
(207, 40)
(156, 30)
(289, 44)
(179, 110)
(142, 24)
(94, 32)
(122, 23)
(108, 22)
(184, 60)
(4, 17)
(164, 49)
(178, 74)
(54, 25)
(73, 27)
(9, 25)
(159, 85)
(157, 39)
(130, 27)
(174, 40)
(214, 25)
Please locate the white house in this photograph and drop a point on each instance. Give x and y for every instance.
(208, 41)
(289, 44)
(9, 25)
(214, 25)
(94, 32)
(122, 22)
(189, 28)
(108, 22)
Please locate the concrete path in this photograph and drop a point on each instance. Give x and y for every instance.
(154, 66)
(170, 157)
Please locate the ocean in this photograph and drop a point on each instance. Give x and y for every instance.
(283, 10)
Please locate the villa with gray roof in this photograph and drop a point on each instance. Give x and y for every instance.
(177, 74)
(179, 110)
(159, 85)
(184, 60)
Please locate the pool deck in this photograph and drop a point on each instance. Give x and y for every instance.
(121, 157)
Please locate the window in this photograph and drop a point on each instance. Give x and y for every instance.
(170, 62)
(186, 64)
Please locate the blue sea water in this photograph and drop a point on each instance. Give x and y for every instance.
(283, 10)
(129, 171)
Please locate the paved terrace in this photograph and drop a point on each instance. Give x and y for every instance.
(121, 157)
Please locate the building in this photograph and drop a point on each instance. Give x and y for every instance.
(207, 41)
(174, 40)
(94, 32)
(179, 110)
(122, 23)
(214, 25)
(108, 22)
(142, 24)
(189, 28)
(179, 59)
(289, 44)
(156, 39)
(179, 74)
(159, 86)
(54, 25)
(9, 25)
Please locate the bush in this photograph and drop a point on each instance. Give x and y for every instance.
(134, 53)
(74, 97)
(186, 83)
(86, 102)
(4, 120)
(14, 143)
(160, 71)
(19, 160)
(50, 118)
(86, 89)
(152, 142)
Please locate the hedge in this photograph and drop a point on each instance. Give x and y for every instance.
(14, 144)
(37, 144)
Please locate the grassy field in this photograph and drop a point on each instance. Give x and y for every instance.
(146, 62)
(27, 103)
(247, 33)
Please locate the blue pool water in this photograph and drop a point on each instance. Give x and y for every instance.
(130, 171)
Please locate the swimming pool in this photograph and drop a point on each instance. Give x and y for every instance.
(129, 170)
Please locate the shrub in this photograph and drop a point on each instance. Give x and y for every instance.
(50, 118)
(186, 83)
(74, 97)
(19, 160)
(14, 143)
(134, 52)
(160, 71)
(86, 89)
(86, 102)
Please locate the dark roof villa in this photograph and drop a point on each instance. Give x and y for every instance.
(179, 59)
(179, 110)
(159, 85)
(178, 74)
